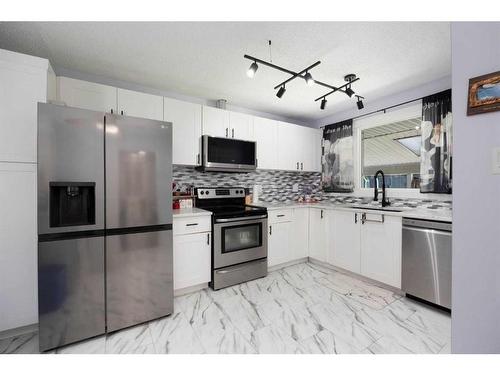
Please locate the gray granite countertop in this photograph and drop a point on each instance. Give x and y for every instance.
(417, 213)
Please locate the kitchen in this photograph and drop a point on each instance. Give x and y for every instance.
(259, 232)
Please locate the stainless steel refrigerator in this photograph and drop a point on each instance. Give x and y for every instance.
(104, 223)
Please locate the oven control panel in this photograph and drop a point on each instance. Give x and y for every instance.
(211, 193)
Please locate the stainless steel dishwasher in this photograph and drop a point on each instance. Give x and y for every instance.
(426, 271)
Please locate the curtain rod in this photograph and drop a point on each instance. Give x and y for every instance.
(381, 110)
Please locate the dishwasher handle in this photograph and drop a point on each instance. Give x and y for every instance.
(428, 230)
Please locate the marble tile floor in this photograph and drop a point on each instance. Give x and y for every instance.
(303, 308)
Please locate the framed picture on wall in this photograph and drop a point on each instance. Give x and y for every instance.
(484, 94)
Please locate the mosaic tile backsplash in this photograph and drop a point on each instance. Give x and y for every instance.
(277, 186)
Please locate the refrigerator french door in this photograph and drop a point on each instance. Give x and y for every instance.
(139, 271)
(71, 295)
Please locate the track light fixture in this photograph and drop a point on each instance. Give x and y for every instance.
(309, 79)
(252, 70)
(281, 91)
(349, 91)
(359, 103)
(306, 76)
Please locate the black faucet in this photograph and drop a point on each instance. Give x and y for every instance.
(385, 202)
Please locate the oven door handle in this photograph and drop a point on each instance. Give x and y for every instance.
(240, 219)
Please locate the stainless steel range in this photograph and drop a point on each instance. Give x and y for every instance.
(239, 232)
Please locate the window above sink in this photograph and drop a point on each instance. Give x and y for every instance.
(395, 149)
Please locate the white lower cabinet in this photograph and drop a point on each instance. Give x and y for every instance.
(18, 245)
(279, 247)
(381, 237)
(318, 233)
(192, 254)
(345, 229)
(300, 233)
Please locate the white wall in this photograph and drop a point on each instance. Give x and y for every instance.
(476, 196)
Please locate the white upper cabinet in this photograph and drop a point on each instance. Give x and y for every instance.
(139, 104)
(289, 146)
(345, 232)
(86, 95)
(298, 148)
(266, 136)
(318, 233)
(242, 126)
(227, 124)
(23, 83)
(186, 120)
(216, 122)
(381, 237)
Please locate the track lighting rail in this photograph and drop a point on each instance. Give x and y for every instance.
(306, 75)
(298, 74)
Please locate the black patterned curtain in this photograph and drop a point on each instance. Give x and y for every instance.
(337, 160)
(436, 155)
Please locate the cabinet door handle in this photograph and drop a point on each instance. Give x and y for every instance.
(208, 238)
(198, 159)
(226, 132)
(256, 162)
(111, 110)
(281, 215)
(355, 218)
(232, 133)
(191, 224)
(297, 165)
(322, 214)
(122, 113)
(363, 218)
(301, 166)
(270, 229)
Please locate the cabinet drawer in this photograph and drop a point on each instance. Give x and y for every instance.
(187, 225)
(280, 216)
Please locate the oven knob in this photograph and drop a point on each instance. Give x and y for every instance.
(202, 192)
(207, 192)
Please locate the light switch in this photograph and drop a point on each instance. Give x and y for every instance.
(495, 160)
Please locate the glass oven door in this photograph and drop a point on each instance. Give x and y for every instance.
(239, 240)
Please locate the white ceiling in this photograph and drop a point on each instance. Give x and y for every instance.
(205, 59)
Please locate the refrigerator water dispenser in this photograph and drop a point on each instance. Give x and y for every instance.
(72, 203)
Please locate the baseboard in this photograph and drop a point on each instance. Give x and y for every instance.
(357, 276)
(19, 331)
(287, 264)
(190, 289)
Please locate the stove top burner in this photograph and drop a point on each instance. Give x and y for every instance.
(227, 202)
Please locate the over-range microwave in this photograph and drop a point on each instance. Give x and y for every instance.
(228, 154)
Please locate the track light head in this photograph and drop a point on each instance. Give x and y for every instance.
(349, 91)
(360, 104)
(323, 104)
(309, 79)
(252, 70)
(281, 91)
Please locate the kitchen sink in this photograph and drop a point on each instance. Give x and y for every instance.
(377, 208)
